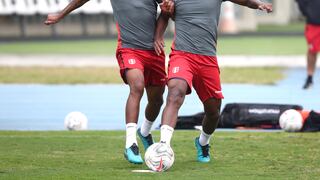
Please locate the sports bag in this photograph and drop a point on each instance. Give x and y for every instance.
(312, 123)
(253, 115)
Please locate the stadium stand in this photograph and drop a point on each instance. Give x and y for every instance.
(24, 9)
(31, 7)
(24, 18)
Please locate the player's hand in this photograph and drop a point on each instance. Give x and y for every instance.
(265, 7)
(52, 19)
(159, 45)
(167, 7)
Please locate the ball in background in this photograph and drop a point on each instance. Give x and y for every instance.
(291, 121)
(159, 157)
(76, 121)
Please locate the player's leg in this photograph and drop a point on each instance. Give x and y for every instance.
(180, 77)
(311, 66)
(208, 87)
(209, 124)
(135, 80)
(177, 90)
(155, 101)
(155, 81)
(312, 34)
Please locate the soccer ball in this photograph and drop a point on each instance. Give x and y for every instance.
(159, 157)
(76, 121)
(291, 121)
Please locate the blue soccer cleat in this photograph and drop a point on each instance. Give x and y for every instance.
(132, 154)
(146, 141)
(203, 152)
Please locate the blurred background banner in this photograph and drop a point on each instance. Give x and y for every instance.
(24, 18)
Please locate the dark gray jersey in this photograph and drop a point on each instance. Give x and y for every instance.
(136, 22)
(196, 24)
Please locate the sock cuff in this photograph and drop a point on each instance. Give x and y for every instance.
(205, 134)
(167, 128)
(148, 122)
(131, 125)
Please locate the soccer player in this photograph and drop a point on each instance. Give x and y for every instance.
(140, 67)
(310, 9)
(193, 62)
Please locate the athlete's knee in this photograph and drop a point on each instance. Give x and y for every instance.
(137, 89)
(214, 114)
(156, 101)
(212, 108)
(176, 96)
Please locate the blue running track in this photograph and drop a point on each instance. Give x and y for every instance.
(43, 107)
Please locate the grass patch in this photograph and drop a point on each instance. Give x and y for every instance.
(59, 75)
(262, 46)
(292, 27)
(256, 75)
(99, 155)
(66, 75)
(226, 46)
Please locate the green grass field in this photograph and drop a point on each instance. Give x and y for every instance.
(59, 75)
(99, 155)
(226, 46)
(292, 27)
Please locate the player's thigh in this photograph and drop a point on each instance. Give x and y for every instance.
(180, 73)
(177, 87)
(135, 78)
(207, 83)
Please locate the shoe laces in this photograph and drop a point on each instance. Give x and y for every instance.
(135, 149)
(205, 150)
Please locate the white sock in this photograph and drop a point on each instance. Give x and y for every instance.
(204, 138)
(166, 134)
(131, 136)
(146, 127)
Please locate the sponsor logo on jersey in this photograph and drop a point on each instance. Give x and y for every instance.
(131, 61)
(175, 70)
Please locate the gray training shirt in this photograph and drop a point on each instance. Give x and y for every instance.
(196, 24)
(136, 20)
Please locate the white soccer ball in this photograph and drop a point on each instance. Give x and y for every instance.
(159, 157)
(76, 121)
(291, 121)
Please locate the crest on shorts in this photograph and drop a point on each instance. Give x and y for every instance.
(175, 70)
(131, 61)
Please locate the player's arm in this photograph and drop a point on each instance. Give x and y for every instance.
(56, 17)
(254, 4)
(162, 24)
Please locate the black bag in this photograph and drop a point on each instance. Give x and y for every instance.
(189, 122)
(253, 115)
(312, 123)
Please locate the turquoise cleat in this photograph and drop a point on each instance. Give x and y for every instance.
(146, 141)
(132, 154)
(203, 152)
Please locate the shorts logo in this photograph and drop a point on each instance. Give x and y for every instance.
(131, 61)
(175, 70)
(310, 46)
